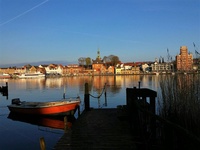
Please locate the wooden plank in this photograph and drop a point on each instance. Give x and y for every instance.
(98, 129)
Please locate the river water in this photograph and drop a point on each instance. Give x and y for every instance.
(17, 133)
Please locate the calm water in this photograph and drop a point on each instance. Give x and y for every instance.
(25, 134)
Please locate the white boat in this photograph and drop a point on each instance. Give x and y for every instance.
(31, 75)
(5, 76)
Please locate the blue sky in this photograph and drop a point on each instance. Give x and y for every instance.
(65, 30)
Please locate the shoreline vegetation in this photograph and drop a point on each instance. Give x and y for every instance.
(179, 102)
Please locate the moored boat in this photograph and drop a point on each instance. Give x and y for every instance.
(60, 107)
(5, 76)
(31, 75)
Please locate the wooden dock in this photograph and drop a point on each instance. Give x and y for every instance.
(131, 126)
(117, 128)
(98, 129)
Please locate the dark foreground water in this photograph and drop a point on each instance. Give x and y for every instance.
(24, 133)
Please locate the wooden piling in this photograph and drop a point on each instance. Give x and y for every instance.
(87, 97)
(4, 90)
(105, 91)
(42, 144)
(105, 94)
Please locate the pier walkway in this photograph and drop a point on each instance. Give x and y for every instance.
(98, 129)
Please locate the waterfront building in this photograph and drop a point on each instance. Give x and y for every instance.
(72, 70)
(7, 70)
(29, 69)
(98, 65)
(184, 61)
(161, 66)
(136, 70)
(54, 69)
(145, 67)
(127, 68)
(111, 70)
(117, 70)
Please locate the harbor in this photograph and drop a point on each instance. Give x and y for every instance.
(108, 128)
(105, 118)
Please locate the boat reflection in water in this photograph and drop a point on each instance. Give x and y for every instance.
(56, 122)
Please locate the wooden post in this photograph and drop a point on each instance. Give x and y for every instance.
(87, 97)
(105, 90)
(42, 144)
(4, 90)
(7, 86)
(105, 95)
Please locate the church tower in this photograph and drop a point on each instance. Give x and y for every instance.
(98, 54)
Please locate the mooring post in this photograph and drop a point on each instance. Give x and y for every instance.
(105, 95)
(7, 85)
(139, 85)
(105, 90)
(42, 144)
(4, 90)
(87, 97)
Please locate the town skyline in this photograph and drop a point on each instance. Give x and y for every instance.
(63, 31)
(65, 63)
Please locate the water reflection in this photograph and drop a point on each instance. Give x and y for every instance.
(48, 88)
(96, 82)
(57, 122)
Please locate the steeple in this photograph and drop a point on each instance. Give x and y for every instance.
(98, 54)
(98, 58)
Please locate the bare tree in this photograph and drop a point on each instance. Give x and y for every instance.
(115, 60)
(82, 61)
(111, 60)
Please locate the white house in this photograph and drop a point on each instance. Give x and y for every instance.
(144, 67)
(54, 69)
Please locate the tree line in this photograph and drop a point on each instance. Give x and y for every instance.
(110, 60)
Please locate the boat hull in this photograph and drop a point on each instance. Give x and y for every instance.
(64, 108)
(5, 76)
(30, 76)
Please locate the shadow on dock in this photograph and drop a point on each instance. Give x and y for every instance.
(98, 129)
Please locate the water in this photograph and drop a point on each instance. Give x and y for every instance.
(17, 134)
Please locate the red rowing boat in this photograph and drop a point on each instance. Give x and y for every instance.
(60, 107)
